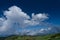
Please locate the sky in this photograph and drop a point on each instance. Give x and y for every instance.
(52, 7)
(29, 17)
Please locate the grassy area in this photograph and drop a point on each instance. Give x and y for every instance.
(47, 37)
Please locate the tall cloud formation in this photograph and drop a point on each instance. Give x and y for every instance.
(17, 20)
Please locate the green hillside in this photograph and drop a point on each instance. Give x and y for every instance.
(47, 37)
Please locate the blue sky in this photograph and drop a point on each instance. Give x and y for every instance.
(47, 8)
(52, 7)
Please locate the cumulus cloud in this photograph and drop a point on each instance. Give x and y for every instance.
(39, 17)
(1, 21)
(17, 20)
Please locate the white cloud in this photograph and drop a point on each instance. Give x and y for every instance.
(36, 32)
(17, 19)
(1, 21)
(39, 17)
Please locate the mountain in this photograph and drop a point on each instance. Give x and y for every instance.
(46, 37)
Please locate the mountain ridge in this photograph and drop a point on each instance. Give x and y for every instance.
(45, 37)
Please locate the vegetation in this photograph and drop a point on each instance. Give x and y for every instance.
(47, 37)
